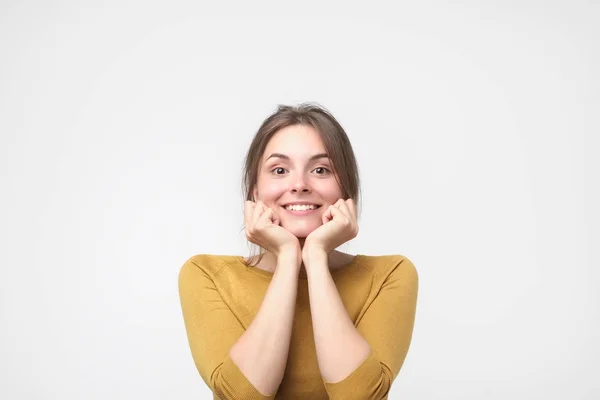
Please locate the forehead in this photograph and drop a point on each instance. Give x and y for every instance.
(295, 141)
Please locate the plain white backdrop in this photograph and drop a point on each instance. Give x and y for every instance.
(123, 129)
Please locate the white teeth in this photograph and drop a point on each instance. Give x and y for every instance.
(302, 207)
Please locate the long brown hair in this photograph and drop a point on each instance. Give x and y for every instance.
(336, 143)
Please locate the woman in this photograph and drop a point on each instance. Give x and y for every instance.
(301, 320)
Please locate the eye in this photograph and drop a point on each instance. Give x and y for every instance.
(325, 170)
(277, 169)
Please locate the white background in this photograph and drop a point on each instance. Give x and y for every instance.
(123, 128)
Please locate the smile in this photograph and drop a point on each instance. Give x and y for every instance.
(301, 209)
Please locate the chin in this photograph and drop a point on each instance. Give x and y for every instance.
(300, 231)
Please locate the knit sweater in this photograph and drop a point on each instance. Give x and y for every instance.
(220, 295)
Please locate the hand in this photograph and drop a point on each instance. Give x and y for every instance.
(339, 226)
(262, 228)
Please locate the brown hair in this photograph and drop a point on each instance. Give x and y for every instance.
(336, 142)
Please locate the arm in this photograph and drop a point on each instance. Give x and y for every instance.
(262, 351)
(235, 363)
(361, 362)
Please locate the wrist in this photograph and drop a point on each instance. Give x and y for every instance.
(290, 254)
(313, 247)
(313, 254)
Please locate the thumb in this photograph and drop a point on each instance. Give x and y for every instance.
(328, 214)
(274, 217)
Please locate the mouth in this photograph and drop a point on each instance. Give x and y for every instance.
(301, 209)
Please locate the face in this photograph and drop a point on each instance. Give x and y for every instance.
(295, 169)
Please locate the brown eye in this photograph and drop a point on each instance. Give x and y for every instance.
(325, 170)
(278, 169)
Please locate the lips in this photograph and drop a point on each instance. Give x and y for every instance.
(301, 212)
(301, 203)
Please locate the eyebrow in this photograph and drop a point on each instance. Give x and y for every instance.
(315, 157)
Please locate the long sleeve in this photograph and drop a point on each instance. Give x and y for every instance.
(387, 325)
(212, 328)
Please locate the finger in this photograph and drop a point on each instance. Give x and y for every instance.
(349, 204)
(352, 207)
(343, 207)
(328, 214)
(275, 217)
(339, 204)
(350, 226)
(258, 210)
(265, 218)
(248, 211)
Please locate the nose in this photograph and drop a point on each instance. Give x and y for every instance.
(300, 184)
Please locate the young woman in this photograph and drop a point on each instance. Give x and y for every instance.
(300, 320)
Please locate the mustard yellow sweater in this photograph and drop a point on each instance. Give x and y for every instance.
(220, 295)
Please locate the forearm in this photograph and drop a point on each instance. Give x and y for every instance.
(261, 352)
(340, 347)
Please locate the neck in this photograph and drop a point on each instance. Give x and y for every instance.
(301, 240)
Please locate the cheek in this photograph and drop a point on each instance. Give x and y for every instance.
(329, 191)
(270, 191)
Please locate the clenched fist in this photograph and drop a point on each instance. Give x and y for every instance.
(263, 229)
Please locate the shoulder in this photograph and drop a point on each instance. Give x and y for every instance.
(392, 266)
(406, 266)
(206, 264)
